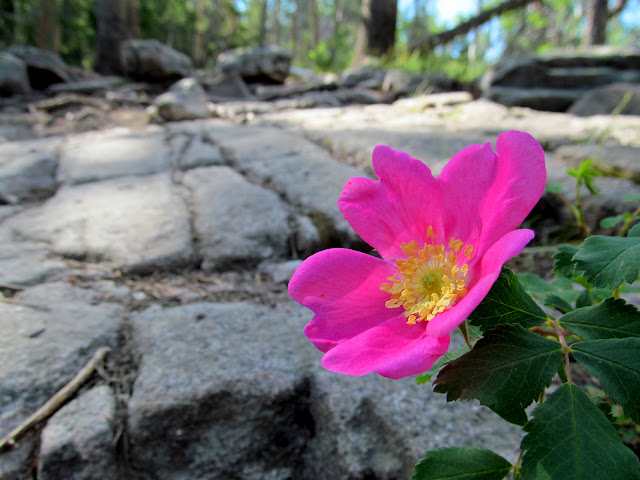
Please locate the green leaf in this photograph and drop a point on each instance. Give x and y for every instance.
(608, 261)
(554, 187)
(610, 222)
(559, 303)
(616, 363)
(632, 197)
(565, 266)
(635, 231)
(506, 371)
(609, 319)
(570, 438)
(461, 463)
(447, 357)
(507, 302)
(534, 284)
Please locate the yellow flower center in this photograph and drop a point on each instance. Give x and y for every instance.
(430, 280)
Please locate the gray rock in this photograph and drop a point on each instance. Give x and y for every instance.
(360, 96)
(221, 392)
(78, 440)
(620, 160)
(302, 172)
(371, 76)
(117, 152)
(13, 75)
(199, 152)
(268, 64)
(185, 100)
(546, 81)
(434, 100)
(87, 86)
(280, 272)
(48, 336)
(309, 100)
(306, 236)
(28, 170)
(549, 99)
(235, 221)
(151, 60)
(399, 83)
(44, 68)
(225, 86)
(135, 224)
(16, 462)
(373, 426)
(608, 99)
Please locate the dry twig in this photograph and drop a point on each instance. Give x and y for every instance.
(55, 402)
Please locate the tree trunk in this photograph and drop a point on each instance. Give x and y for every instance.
(595, 30)
(277, 28)
(49, 26)
(429, 42)
(377, 30)
(117, 21)
(262, 29)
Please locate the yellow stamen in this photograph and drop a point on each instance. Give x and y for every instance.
(430, 280)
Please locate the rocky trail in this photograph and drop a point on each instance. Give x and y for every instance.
(172, 244)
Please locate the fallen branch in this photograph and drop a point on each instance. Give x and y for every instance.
(58, 399)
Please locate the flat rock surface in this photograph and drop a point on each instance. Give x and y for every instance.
(235, 221)
(132, 223)
(48, 335)
(173, 245)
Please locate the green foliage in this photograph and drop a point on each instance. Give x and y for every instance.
(506, 370)
(565, 265)
(507, 302)
(585, 175)
(461, 463)
(609, 319)
(559, 293)
(570, 438)
(608, 261)
(616, 363)
(447, 357)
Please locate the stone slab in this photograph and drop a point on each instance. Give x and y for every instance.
(117, 152)
(28, 170)
(48, 336)
(301, 171)
(133, 223)
(220, 391)
(78, 440)
(235, 221)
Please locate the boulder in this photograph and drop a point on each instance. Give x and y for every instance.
(185, 100)
(398, 83)
(44, 68)
(153, 61)
(364, 76)
(555, 80)
(608, 99)
(13, 75)
(225, 86)
(268, 64)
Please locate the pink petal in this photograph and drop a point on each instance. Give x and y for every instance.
(397, 208)
(487, 195)
(393, 349)
(342, 287)
(520, 179)
(464, 182)
(485, 275)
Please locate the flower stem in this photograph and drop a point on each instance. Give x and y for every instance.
(628, 222)
(516, 467)
(565, 348)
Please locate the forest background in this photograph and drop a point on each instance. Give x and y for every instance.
(325, 35)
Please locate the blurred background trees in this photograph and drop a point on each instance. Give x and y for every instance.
(322, 34)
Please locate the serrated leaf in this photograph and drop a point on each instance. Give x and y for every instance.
(507, 302)
(608, 261)
(609, 319)
(447, 357)
(610, 222)
(461, 463)
(616, 363)
(557, 302)
(565, 265)
(506, 370)
(570, 438)
(533, 284)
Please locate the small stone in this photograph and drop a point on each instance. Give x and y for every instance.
(78, 440)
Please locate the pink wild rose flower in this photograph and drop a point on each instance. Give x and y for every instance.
(443, 243)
